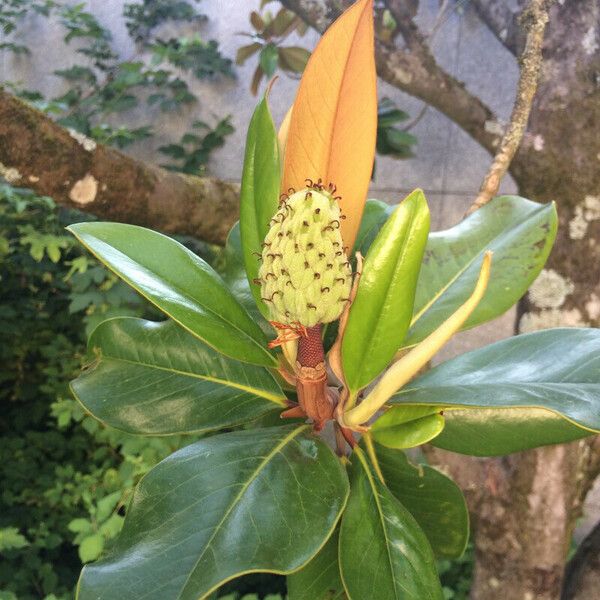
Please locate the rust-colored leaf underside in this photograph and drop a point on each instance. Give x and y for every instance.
(333, 126)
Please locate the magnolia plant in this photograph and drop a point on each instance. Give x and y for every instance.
(297, 326)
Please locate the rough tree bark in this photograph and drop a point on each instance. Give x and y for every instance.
(35, 152)
(526, 519)
(525, 505)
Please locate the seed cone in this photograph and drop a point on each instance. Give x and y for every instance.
(305, 276)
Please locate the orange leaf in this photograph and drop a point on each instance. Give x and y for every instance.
(333, 126)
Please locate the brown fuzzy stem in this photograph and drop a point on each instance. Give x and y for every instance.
(310, 348)
(311, 378)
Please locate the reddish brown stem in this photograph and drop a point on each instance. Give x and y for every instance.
(311, 381)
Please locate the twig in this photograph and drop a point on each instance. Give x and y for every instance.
(534, 20)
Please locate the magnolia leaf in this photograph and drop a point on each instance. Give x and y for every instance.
(259, 191)
(233, 271)
(433, 499)
(520, 233)
(333, 125)
(157, 379)
(259, 500)
(376, 213)
(381, 312)
(180, 284)
(407, 426)
(320, 578)
(501, 431)
(555, 371)
(384, 554)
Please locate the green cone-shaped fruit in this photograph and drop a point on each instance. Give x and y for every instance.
(305, 276)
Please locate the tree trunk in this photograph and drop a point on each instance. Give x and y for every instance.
(525, 520)
(75, 171)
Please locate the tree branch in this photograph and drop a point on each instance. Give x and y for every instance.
(534, 21)
(503, 22)
(37, 153)
(415, 71)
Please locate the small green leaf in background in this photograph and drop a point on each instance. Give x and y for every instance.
(391, 140)
(180, 284)
(258, 500)
(91, 547)
(557, 370)
(11, 539)
(384, 554)
(320, 578)
(157, 379)
(381, 312)
(407, 426)
(519, 232)
(433, 499)
(259, 192)
(269, 56)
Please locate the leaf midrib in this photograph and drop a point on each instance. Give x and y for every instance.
(278, 447)
(224, 382)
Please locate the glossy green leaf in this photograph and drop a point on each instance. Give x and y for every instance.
(320, 578)
(376, 213)
(519, 232)
(407, 426)
(259, 191)
(180, 284)
(384, 554)
(557, 370)
(497, 432)
(433, 499)
(157, 379)
(233, 271)
(381, 312)
(259, 500)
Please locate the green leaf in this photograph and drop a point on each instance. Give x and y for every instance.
(376, 213)
(259, 191)
(497, 432)
(11, 539)
(233, 272)
(433, 499)
(381, 312)
(407, 426)
(519, 232)
(557, 370)
(91, 547)
(180, 284)
(259, 500)
(384, 554)
(268, 58)
(157, 379)
(320, 578)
